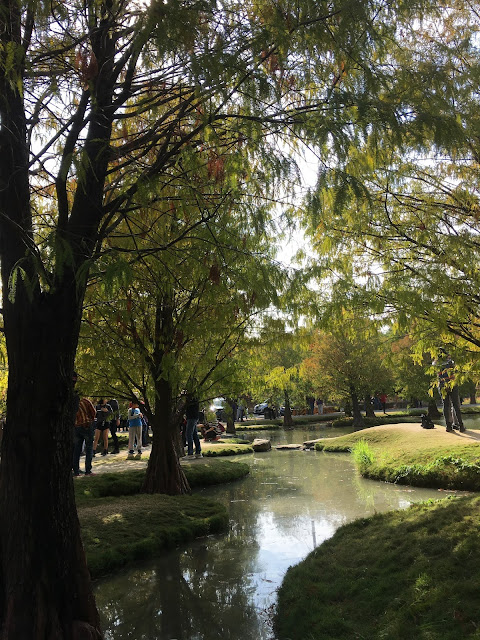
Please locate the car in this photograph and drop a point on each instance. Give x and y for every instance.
(218, 407)
(259, 409)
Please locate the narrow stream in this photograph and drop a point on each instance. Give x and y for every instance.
(224, 587)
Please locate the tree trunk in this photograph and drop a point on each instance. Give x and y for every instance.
(45, 589)
(432, 410)
(347, 408)
(287, 416)
(164, 471)
(231, 415)
(358, 422)
(472, 392)
(369, 408)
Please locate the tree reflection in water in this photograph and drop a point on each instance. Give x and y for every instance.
(222, 587)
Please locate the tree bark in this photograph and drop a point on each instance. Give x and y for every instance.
(231, 415)
(45, 588)
(472, 392)
(164, 471)
(432, 410)
(287, 416)
(358, 422)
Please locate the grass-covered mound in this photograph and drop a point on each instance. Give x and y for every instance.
(401, 575)
(262, 426)
(227, 447)
(378, 420)
(121, 530)
(408, 454)
(120, 526)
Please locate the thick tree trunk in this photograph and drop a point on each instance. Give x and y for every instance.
(358, 422)
(45, 584)
(287, 416)
(164, 471)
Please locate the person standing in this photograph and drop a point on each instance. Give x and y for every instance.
(84, 420)
(383, 401)
(104, 411)
(134, 429)
(448, 391)
(114, 423)
(192, 410)
(320, 406)
(144, 426)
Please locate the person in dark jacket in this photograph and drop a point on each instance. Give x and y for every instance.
(114, 423)
(192, 410)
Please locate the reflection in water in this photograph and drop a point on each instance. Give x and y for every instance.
(222, 587)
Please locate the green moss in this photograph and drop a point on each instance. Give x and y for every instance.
(413, 573)
(118, 531)
(227, 450)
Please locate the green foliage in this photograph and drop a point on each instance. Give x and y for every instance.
(400, 205)
(349, 354)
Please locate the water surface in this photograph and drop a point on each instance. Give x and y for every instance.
(224, 587)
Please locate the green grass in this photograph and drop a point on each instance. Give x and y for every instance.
(120, 526)
(226, 448)
(409, 574)
(263, 426)
(420, 457)
(392, 418)
(121, 530)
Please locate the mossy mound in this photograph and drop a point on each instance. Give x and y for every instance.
(413, 573)
(121, 530)
(227, 447)
(120, 526)
(408, 454)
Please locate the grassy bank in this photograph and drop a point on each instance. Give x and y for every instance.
(120, 526)
(405, 574)
(408, 454)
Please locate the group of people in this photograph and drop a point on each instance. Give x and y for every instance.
(93, 424)
(194, 420)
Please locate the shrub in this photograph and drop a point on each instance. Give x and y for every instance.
(363, 456)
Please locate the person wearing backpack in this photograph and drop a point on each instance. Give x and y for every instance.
(448, 391)
(104, 411)
(134, 429)
(84, 419)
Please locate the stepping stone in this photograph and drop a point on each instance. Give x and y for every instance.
(260, 444)
(293, 447)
